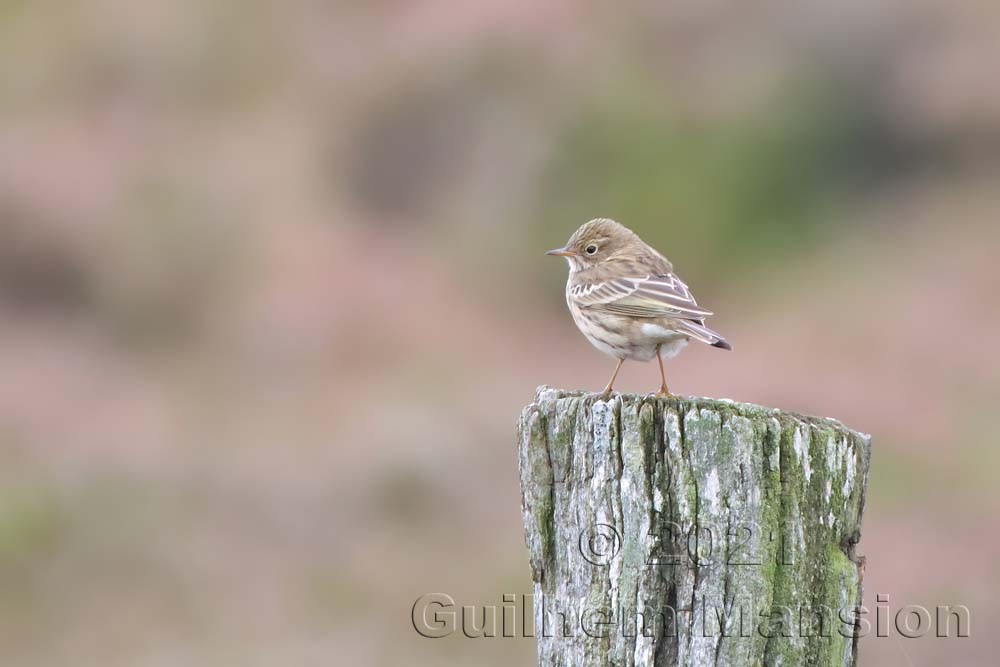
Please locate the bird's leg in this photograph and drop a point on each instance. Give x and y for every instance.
(611, 383)
(663, 377)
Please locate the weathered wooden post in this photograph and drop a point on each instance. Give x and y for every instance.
(691, 531)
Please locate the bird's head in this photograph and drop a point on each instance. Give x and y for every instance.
(596, 242)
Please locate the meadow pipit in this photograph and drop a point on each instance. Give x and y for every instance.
(626, 299)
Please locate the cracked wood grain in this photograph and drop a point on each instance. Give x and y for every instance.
(690, 532)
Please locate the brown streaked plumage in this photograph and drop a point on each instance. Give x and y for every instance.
(626, 299)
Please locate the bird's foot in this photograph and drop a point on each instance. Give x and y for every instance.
(664, 393)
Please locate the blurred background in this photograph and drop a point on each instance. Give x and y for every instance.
(272, 295)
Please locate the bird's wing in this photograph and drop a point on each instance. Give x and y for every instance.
(649, 296)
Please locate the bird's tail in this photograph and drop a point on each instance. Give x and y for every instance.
(700, 332)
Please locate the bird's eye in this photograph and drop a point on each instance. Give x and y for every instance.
(592, 249)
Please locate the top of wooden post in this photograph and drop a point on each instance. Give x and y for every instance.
(545, 394)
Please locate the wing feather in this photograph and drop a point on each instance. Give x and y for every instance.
(649, 296)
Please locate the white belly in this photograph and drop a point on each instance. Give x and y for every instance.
(625, 338)
(671, 342)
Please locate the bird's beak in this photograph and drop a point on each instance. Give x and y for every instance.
(562, 252)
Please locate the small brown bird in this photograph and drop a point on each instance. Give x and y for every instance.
(626, 299)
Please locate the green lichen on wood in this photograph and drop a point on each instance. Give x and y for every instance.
(690, 531)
